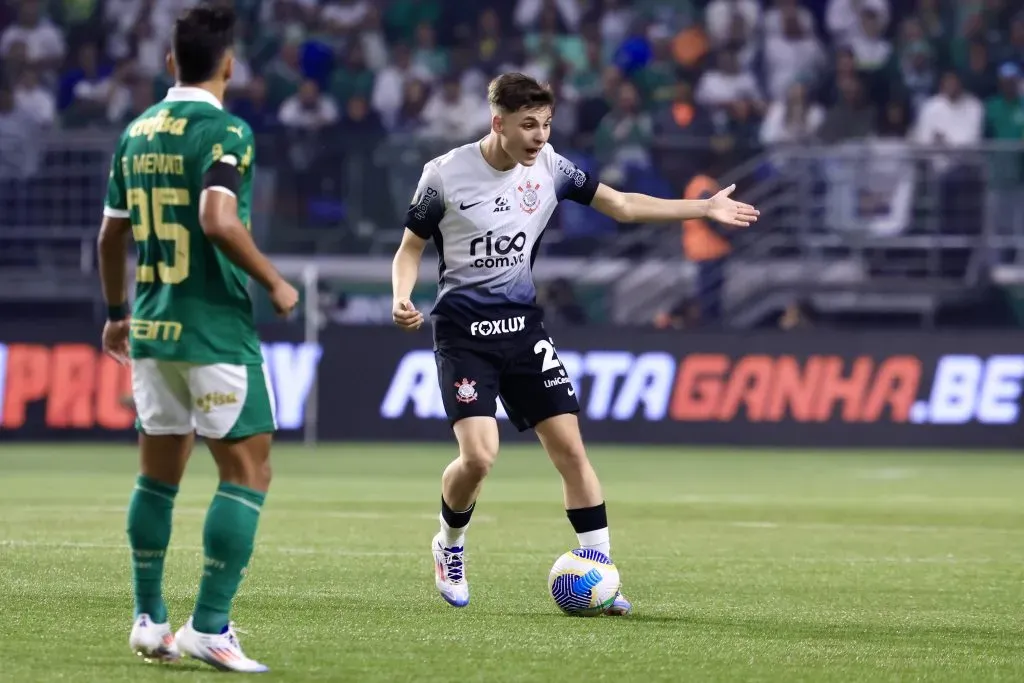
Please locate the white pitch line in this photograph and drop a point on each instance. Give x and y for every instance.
(901, 528)
(531, 556)
(30, 510)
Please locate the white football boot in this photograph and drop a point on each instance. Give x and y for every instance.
(450, 565)
(153, 642)
(219, 650)
(621, 607)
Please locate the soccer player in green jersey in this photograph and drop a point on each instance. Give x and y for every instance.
(181, 184)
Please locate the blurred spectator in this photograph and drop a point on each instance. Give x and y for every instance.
(979, 78)
(254, 106)
(888, 175)
(871, 50)
(284, 73)
(794, 55)
(371, 37)
(454, 115)
(353, 77)
(658, 78)
(44, 42)
(390, 83)
(623, 139)
(20, 143)
(852, 117)
(427, 54)
(951, 118)
(344, 17)
(414, 101)
(32, 98)
(556, 47)
(528, 13)
(1014, 50)
(718, 19)
(129, 101)
(792, 120)
(1004, 120)
(726, 83)
(916, 71)
(94, 96)
(735, 134)
(309, 109)
(1004, 112)
(403, 16)
(934, 21)
(595, 107)
(773, 18)
(489, 42)
(614, 26)
(150, 50)
(844, 19)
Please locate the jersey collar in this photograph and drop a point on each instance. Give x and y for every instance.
(190, 94)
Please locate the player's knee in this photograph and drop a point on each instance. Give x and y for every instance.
(570, 457)
(478, 460)
(252, 473)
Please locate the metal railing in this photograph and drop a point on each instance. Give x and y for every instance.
(872, 224)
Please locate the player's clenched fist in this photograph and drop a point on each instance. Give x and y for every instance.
(284, 297)
(405, 315)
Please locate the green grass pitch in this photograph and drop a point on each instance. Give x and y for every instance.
(742, 566)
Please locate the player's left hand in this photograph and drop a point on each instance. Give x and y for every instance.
(115, 340)
(729, 211)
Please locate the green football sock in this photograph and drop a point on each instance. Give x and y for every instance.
(149, 532)
(227, 546)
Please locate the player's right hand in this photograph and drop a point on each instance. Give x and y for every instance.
(406, 316)
(284, 298)
(115, 340)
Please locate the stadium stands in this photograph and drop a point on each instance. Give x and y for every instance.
(882, 143)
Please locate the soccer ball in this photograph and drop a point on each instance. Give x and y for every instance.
(584, 582)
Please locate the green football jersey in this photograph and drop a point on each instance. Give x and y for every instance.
(191, 302)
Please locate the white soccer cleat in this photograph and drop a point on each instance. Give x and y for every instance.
(620, 607)
(219, 650)
(153, 642)
(450, 565)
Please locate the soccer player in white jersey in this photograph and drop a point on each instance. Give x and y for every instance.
(485, 205)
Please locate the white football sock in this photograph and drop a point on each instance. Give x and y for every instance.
(453, 537)
(598, 540)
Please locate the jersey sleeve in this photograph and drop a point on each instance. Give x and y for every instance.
(572, 182)
(116, 203)
(427, 207)
(229, 144)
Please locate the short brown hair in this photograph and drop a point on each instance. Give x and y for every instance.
(508, 93)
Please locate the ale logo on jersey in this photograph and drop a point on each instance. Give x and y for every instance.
(487, 328)
(503, 251)
(530, 200)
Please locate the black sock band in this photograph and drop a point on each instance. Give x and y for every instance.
(588, 519)
(455, 520)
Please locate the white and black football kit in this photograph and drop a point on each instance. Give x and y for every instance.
(489, 337)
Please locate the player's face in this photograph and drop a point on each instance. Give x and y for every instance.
(524, 133)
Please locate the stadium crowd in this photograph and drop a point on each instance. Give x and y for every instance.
(650, 91)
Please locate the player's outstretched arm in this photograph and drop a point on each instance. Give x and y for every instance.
(405, 271)
(218, 214)
(630, 207)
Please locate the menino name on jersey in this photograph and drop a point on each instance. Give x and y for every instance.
(487, 226)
